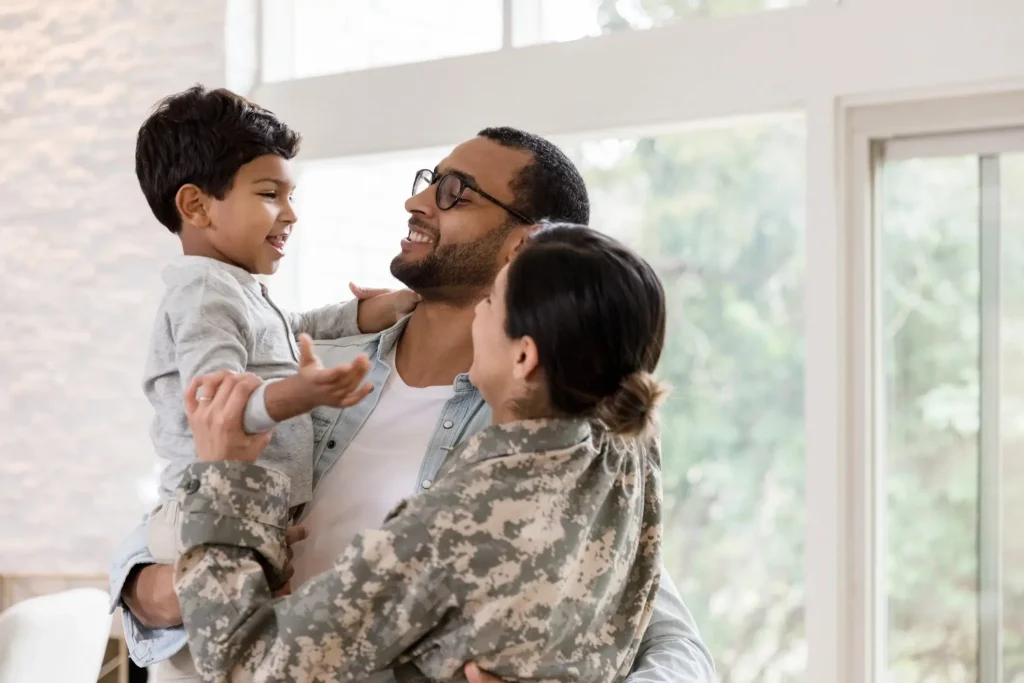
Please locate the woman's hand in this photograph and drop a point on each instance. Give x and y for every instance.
(214, 405)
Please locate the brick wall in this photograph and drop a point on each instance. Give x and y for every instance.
(80, 258)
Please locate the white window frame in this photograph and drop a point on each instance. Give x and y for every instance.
(980, 123)
(860, 70)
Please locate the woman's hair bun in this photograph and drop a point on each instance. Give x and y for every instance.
(630, 411)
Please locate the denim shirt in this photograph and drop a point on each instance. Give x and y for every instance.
(671, 650)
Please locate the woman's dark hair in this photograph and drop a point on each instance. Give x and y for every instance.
(596, 312)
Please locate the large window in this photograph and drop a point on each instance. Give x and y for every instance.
(719, 212)
(842, 466)
(304, 38)
(548, 21)
(950, 326)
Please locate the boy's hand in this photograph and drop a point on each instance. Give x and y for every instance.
(338, 387)
(379, 309)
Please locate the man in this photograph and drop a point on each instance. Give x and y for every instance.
(467, 218)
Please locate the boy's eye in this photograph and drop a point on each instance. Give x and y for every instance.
(269, 195)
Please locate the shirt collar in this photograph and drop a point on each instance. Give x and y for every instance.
(387, 341)
(185, 264)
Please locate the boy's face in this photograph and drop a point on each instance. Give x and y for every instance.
(253, 221)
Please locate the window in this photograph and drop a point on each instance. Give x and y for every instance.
(305, 38)
(950, 326)
(720, 214)
(555, 21)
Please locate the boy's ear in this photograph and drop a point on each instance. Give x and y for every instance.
(193, 205)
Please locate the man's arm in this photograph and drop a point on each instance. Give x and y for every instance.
(671, 650)
(382, 596)
(145, 592)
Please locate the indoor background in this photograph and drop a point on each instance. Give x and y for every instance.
(831, 190)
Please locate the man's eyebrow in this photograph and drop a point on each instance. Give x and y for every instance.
(468, 177)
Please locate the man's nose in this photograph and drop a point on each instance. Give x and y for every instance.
(424, 203)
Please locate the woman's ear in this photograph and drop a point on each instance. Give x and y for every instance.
(526, 360)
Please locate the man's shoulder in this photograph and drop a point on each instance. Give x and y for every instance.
(334, 351)
(359, 340)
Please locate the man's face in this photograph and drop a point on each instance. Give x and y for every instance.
(454, 255)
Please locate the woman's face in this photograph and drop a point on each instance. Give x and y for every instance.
(501, 365)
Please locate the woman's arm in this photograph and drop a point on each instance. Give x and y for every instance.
(382, 595)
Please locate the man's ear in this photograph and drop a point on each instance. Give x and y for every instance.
(193, 205)
(518, 239)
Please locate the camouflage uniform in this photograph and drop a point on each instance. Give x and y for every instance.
(536, 554)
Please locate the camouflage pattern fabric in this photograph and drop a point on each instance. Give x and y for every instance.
(535, 554)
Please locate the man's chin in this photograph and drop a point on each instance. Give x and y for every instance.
(406, 270)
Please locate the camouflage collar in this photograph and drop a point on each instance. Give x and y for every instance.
(526, 436)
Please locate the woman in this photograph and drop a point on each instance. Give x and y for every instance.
(535, 554)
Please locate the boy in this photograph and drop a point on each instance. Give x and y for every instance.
(215, 170)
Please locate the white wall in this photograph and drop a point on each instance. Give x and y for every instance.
(80, 257)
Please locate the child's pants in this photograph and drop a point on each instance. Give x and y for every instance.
(162, 532)
(165, 546)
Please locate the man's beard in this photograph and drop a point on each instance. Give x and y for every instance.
(454, 271)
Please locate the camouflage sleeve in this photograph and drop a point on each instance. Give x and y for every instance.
(383, 594)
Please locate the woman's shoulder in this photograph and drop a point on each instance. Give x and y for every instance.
(525, 437)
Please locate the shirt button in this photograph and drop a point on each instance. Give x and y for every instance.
(192, 486)
(448, 424)
(426, 483)
(331, 444)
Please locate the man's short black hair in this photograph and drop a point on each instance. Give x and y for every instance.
(548, 188)
(203, 137)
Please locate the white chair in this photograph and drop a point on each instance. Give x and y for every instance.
(59, 638)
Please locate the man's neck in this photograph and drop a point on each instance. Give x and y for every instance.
(437, 344)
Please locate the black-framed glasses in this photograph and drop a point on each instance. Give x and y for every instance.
(450, 188)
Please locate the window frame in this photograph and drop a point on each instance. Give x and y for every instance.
(975, 124)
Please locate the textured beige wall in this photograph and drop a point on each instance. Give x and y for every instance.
(80, 257)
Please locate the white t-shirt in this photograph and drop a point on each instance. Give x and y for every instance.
(377, 470)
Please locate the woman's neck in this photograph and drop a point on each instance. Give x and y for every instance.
(517, 409)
